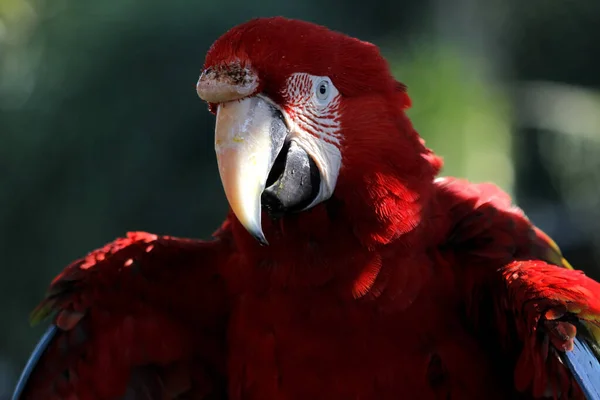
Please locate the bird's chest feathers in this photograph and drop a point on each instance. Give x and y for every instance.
(289, 335)
(283, 345)
(293, 339)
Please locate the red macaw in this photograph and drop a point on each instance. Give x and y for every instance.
(345, 269)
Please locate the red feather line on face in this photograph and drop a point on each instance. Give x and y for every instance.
(322, 123)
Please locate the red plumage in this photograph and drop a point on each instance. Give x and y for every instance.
(144, 308)
(398, 286)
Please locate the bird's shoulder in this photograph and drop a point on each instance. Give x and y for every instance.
(480, 222)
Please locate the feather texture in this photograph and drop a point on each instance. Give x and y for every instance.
(550, 302)
(36, 354)
(142, 318)
(585, 367)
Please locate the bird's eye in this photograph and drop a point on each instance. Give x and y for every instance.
(322, 91)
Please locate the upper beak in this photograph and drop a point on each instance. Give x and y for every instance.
(249, 134)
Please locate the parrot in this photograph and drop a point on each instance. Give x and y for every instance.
(347, 266)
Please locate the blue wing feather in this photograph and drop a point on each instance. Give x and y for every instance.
(33, 360)
(585, 367)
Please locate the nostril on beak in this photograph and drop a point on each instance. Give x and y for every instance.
(226, 84)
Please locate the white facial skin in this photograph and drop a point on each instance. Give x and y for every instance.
(312, 115)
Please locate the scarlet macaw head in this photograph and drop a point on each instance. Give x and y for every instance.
(305, 113)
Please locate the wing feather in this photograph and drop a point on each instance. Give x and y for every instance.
(486, 212)
(36, 354)
(585, 367)
(584, 360)
(141, 318)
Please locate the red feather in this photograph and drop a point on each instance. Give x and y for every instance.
(144, 315)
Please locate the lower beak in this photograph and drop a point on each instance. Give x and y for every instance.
(249, 134)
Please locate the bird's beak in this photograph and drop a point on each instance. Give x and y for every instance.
(265, 160)
(249, 134)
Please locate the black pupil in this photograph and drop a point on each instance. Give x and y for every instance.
(322, 88)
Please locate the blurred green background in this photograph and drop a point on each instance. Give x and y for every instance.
(101, 130)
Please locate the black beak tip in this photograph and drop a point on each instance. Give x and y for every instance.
(262, 241)
(260, 238)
